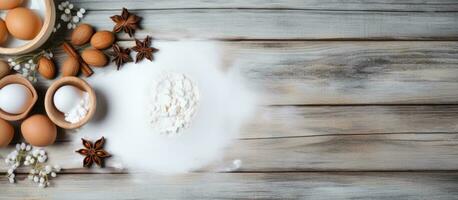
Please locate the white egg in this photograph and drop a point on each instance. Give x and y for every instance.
(15, 98)
(67, 98)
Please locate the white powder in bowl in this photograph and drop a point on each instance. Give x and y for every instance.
(173, 103)
(80, 111)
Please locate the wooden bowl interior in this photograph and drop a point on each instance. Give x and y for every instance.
(58, 117)
(11, 79)
(46, 30)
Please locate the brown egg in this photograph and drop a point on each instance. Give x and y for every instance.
(6, 133)
(9, 4)
(23, 23)
(38, 130)
(3, 32)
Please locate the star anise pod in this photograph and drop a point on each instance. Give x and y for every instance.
(94, 152)
(126, 22)
(121, 55)
(144, 49)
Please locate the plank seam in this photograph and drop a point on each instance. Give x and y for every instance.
(345, 135)
(282, 9)
(265, 172)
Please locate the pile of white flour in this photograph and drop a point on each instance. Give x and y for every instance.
(173, 103)
(124, 104)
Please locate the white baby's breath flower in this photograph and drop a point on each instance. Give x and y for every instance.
(41, 160)
(26, 155)
(69, 15)
(64, 18)
(75, 19)
(48, 169)
(57, 168)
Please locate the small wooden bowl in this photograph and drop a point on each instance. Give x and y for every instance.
(46, 31)
(58, 117)
(23, 81)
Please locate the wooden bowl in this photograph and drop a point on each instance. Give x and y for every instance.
(46, 31)
(23, 81)
(58, 117)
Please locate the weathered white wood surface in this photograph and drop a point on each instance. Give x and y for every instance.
(367, 138)
(330, 73)
(242, 24)
(371, 152)
(374, 5)
(323, 186)
(377, 121)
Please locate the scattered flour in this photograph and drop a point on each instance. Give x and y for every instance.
(173, 103)
(123, 99)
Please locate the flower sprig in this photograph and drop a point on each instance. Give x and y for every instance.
(36, 159)
(69, 15)
(26, 65)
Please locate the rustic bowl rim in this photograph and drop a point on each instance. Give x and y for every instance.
(45, 32)
(58, 117)
(18, 79)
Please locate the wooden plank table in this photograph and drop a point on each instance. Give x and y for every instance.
(360, 101)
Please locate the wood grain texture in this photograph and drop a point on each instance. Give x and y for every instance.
(358, 136)
(392, 152)
(286, 73)
(309, 121)
(321, 186)
(289, 138)
(330, 73)
(378, 152)
(377, 5)
(237, 24)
